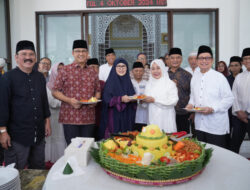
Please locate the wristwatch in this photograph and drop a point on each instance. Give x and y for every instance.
(3, 131)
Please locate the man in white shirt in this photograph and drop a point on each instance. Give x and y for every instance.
(139, 85)
(241, 105)
(192, 61)
(106, 68)
(211, 92)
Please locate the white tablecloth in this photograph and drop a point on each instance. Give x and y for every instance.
(225, 171)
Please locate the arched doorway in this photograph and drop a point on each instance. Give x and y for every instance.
(127, 36)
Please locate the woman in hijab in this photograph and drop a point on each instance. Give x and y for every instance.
(55, 144)
(162, 96)
(118, 112)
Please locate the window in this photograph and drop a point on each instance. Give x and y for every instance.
(190, 30)
(56, 36)
(5, 51)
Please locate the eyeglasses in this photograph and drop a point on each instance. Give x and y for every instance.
(121, 67)
(44, 63)
(80, 51)
(246, 59)
(141, 58)
(204, 58)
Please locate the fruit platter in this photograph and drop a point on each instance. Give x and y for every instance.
(195, 109)
(92, 100)
(150, 158)
(138, 97)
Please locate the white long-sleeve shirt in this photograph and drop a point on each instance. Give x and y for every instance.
(104, 72)
(211, 89)
(241, 92)
(141, 111)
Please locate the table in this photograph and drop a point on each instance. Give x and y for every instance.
(32, 179)
(226, 170)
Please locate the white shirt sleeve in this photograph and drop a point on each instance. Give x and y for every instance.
(101, 77)
(236, 105)
(53, 102)
(191, 99)
(226, 95)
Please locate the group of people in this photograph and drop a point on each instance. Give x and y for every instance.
(42, 112)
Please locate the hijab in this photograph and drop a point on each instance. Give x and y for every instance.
(53, 75)
(118, 85)
(159, 88)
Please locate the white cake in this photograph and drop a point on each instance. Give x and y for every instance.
(79, 147)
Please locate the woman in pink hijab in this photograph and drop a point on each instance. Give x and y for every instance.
(55, 144)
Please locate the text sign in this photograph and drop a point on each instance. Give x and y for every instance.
(124, 3)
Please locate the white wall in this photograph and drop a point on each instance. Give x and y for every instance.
(244, 25)
(3, 52)
(234, 25)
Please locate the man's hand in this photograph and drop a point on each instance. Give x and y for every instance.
(5, 140)
(207, 110)
(47, 127)
(242, 116)
(149, 99)
(75, 103)
(189, 106)
(191, 117)
(125, 99)
(92, 105)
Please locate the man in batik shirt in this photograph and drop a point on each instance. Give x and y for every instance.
(182, 79)
(75, 82)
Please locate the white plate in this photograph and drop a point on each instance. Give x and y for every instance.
(193, 110)
(7, 175)
(135, 98)
(90, 102)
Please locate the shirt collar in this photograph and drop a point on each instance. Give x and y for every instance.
(18, 69)
(76, 65)
(177, 70)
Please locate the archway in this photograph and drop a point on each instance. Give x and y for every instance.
(127, 36)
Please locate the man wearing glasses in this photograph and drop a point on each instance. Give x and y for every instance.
(141, 57)
(44, 67)
(241, 105)
(24, 118)
(211, 93)
(182, 79)
(75, 82)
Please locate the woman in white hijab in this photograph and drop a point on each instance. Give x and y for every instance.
(162, 96)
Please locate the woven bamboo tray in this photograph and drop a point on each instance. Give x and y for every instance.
(152, 174)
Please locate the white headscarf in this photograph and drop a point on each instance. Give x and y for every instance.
(2, 62)
(160, 88)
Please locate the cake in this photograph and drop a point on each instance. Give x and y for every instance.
(152, 140)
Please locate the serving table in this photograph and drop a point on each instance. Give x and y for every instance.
(226, 170)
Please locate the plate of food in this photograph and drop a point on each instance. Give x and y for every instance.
(195, 109)
(92, 100)
(138, 97)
